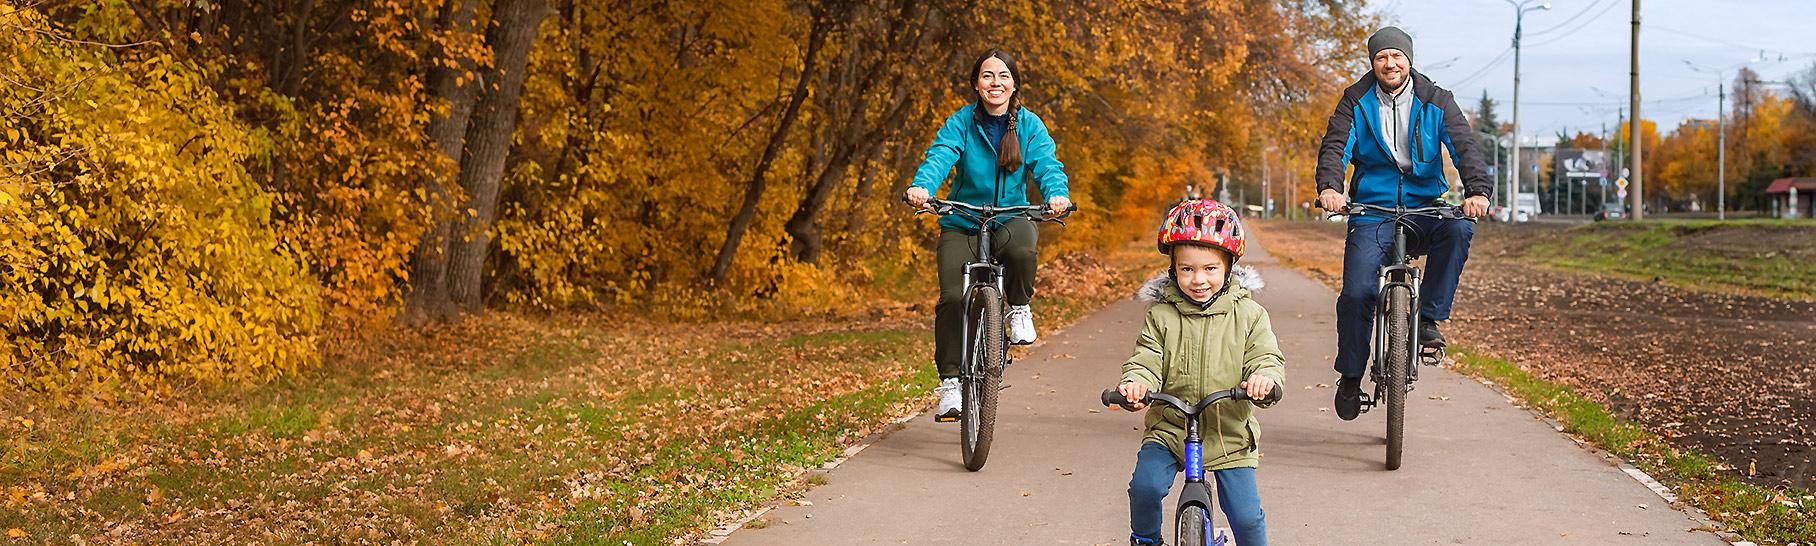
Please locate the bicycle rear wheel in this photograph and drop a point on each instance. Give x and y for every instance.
(1194, 526)
(1399, 367)
(977, 418)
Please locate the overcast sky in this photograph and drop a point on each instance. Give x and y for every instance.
(1580, 47)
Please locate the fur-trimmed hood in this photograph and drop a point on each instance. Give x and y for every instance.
(1245, 277)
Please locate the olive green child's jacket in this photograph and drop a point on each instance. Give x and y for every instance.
(1187, 350)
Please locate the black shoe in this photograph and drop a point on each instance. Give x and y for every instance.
(1349, 398)
(1134, 541)
(1429, 336)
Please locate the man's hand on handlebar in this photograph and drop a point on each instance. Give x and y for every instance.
(1055, 206)
(1134, 391)
(1475, 206)
(1332, 200)
(1258, 386)
(917, 196)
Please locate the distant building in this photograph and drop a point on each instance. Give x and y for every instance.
(1700, 125)
(1792, 197)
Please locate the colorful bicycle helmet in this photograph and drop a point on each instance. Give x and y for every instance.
(1203, 222)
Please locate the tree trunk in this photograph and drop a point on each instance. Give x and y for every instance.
(428, 299)
(488, 144)
(741, 223)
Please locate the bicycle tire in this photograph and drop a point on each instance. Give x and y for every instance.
(1194, 526)
(1398, 369)
(977, 418)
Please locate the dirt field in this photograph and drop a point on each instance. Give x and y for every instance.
(1728, 375)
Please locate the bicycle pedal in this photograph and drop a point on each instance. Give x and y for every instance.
(1003, 387)
(1431, 356)
(944, 419)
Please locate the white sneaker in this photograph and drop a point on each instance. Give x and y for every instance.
(949, 399)
(1021, 325)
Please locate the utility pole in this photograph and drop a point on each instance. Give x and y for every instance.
(1638, 182)
(1721, 149)
(1519, 15)
(1604, 180)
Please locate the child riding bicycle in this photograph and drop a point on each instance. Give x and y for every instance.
(1204, 333)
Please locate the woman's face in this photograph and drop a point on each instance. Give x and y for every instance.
(994, 85)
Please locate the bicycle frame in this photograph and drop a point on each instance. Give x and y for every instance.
(1396, 274)
(982, 271)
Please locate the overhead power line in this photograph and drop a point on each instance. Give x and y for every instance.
(1554, 28)
(1579, 27)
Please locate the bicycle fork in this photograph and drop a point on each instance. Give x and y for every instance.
(1196, 493)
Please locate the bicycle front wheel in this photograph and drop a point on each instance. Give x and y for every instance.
(1194, 526)
(1399, 368)
(977, 418)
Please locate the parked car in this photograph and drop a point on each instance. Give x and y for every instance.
(1610, 211)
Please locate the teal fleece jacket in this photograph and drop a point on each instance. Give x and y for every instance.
(961, 142)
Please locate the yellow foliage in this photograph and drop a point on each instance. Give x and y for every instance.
(136, 245)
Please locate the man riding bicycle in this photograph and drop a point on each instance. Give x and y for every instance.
(1391, 124)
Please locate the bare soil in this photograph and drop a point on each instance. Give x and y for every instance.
(1729, 375)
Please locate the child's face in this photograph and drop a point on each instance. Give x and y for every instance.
(1199, 270)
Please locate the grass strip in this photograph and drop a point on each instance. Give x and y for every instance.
(1773, 258)
(1779, 515)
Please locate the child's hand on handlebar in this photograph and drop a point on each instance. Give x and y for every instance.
(1133, 391)
(1057, 205)
(1257, 386)
(917, 196)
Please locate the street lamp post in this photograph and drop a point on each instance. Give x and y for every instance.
(1267, 194)
(1721, 138)
(1519, 14)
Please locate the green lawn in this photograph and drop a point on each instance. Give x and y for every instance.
(1774, 258)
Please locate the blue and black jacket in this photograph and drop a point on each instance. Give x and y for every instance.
(1354, 137)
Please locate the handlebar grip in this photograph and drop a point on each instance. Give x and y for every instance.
(1274, 395)
(1113, 397)
(1072, 207)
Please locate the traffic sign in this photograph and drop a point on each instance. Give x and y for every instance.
(1622, 183)
(1621, 193)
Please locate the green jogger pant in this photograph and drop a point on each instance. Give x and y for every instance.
(1013, 246)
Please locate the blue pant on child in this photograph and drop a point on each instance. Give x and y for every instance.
(1237, 495)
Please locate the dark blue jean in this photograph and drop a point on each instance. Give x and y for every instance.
(1237, 494)
(1445, 243)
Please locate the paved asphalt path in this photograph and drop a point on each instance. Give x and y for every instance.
(1477, 469)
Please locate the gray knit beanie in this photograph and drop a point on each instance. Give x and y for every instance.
(1390, 38)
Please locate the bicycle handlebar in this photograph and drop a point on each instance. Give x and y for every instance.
(981, 213)
(1113, 397)
(1444, 211)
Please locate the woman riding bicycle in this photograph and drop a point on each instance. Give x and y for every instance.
(996, 144)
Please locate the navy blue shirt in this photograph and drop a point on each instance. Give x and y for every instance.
(994, 127)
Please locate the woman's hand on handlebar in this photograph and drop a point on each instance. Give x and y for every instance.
(1257, 386)
(1475, 206)
(1056, 206)
(1332, 200)
(1133, 391)
(917, 196)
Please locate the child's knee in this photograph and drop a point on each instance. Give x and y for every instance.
(1251, 517)
(1148, 488)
